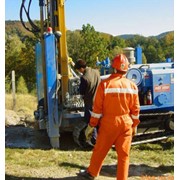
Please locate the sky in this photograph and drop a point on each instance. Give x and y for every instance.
(116, 17)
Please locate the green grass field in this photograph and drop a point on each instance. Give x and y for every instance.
(147, 161)
(154, 160)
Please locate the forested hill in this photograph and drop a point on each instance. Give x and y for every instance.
(86, 43)
(130, 36)
(15, 27)
(12, 27)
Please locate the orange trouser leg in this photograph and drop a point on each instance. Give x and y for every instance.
(103, 144)
(123, 144)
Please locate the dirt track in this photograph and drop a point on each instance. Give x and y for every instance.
(29, 137)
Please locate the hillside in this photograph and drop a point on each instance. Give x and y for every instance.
(15, 27)
(129, 36)
(12, 27)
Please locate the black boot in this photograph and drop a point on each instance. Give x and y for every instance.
(85, 174)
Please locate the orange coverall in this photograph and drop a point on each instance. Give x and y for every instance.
(115, 110)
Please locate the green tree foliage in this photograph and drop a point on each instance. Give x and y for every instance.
(13, 48)
(87, 44)
(116, 41)
(21, 86)
(20, 55)
(74, 41)
(15, 27)
(155, 50)
(7, 84)
(135, 40)
(151, 53)
(116, 50)
(144, 60)
(167, 45)
(92, 45)
(116, 46)
(27, 67)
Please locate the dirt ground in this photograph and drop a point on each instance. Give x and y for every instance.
(20, 133)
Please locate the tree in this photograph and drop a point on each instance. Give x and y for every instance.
(144, 60)
(7, 84)
(27, 66)
(116, 46)
(74, 41)
(13, 48)
(167, 44)
(116, 41)
(150, 54)
(116, 50)
(86, 44)
(92, 46)
(21, 86)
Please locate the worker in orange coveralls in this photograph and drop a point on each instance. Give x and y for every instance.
(116, 111)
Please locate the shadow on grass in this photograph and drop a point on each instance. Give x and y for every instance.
(134, 170)
(138, 170)
(161, 145)
(145, 170)
(71, 165)
(108, 171)
(10, 177)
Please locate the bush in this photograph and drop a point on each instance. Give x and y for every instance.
(21, 86)
(7, 84)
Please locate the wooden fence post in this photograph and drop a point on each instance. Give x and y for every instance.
(13, 90)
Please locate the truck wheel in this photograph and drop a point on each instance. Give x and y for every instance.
(169, 124)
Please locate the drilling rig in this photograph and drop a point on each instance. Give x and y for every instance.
(60, 106)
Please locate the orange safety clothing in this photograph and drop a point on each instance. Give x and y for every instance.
(116, 111)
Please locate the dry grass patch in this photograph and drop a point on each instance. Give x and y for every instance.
(25, 103)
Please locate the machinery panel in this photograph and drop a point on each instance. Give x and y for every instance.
(52, 85)
(163, 87)
(39, 73)
(156, 86)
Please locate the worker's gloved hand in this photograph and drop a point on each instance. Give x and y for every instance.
(134, 131)
(89, 132)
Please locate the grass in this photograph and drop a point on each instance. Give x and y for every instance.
(153, 159)
(24, 102)
(161, 153)
(46, 158)
(155, 155)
